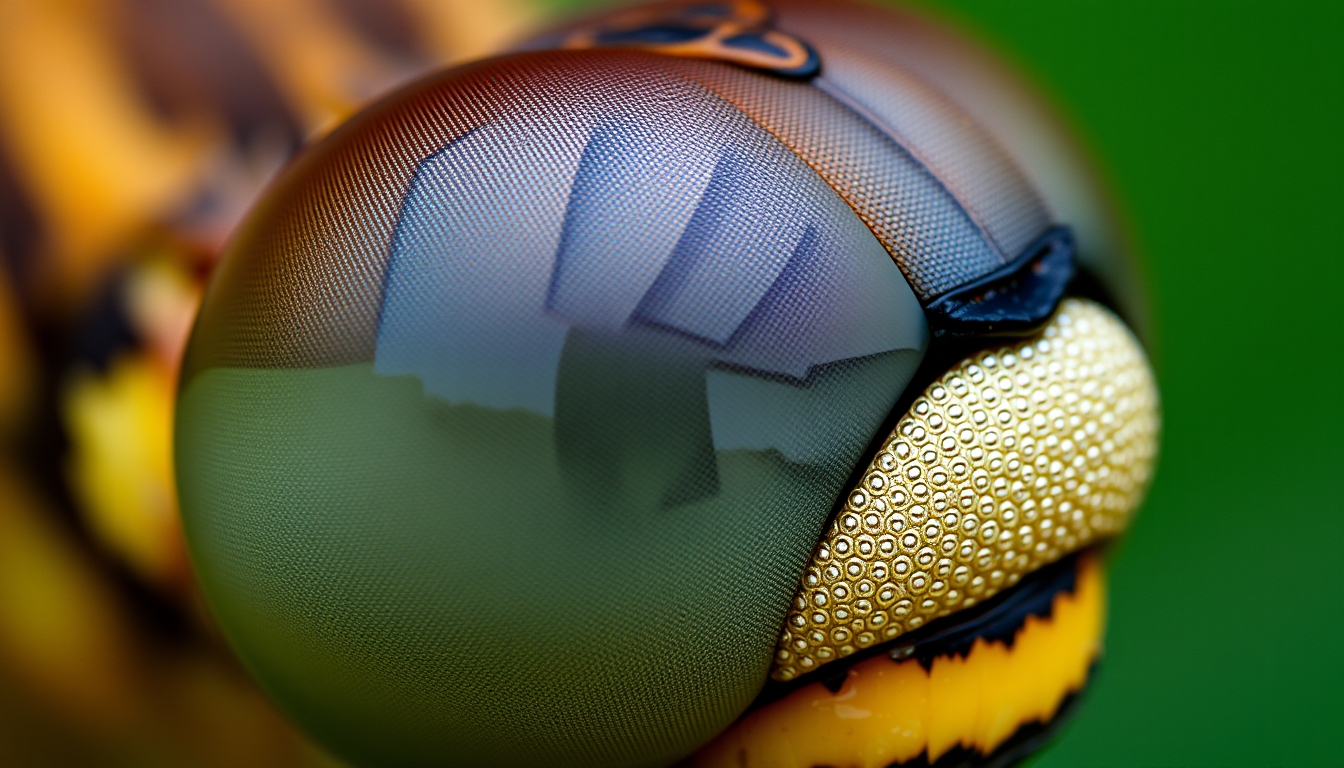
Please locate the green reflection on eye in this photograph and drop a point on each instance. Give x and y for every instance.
(433, 551)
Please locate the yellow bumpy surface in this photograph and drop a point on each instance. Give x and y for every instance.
(1014, 458)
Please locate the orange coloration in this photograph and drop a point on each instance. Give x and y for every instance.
(322, 65)
(97, 159)
(462, 30)
(890, 712)
(72, 661)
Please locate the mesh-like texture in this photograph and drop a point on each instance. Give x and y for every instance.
(855, 45)
(1021, 121)
(928, 233)
(307, 291)
(967, 161)
(517, 409)
(307, 294)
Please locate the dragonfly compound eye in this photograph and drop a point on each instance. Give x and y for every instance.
(592, 404)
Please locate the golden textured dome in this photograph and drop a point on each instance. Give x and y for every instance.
(1014, 458)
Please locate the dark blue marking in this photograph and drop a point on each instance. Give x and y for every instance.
(752, 41)
(662, 34)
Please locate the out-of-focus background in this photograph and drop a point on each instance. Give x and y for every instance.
(1222, 126)
(134, 133)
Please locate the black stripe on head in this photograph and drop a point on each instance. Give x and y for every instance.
(996, 619)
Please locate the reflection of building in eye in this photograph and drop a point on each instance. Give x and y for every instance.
(748, 300)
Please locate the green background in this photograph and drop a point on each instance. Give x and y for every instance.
(1221, 126)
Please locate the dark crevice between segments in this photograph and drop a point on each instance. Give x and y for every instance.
(21, 233)
(1086, 285)
(1015, 300)
(998, 618)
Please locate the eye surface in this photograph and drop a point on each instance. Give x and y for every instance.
(566, 406)
(614, 363)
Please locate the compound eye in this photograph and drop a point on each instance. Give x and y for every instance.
(540, 414)
(563, 442)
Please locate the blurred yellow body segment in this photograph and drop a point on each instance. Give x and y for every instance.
(60, 629)
(888, 712)
(1014, 458)
(121, 469)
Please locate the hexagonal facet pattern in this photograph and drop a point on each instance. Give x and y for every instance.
(1014, 458)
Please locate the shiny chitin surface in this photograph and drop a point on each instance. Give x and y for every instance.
(515, 412)
(1014, 458)
(889, 712)
(999, 113)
